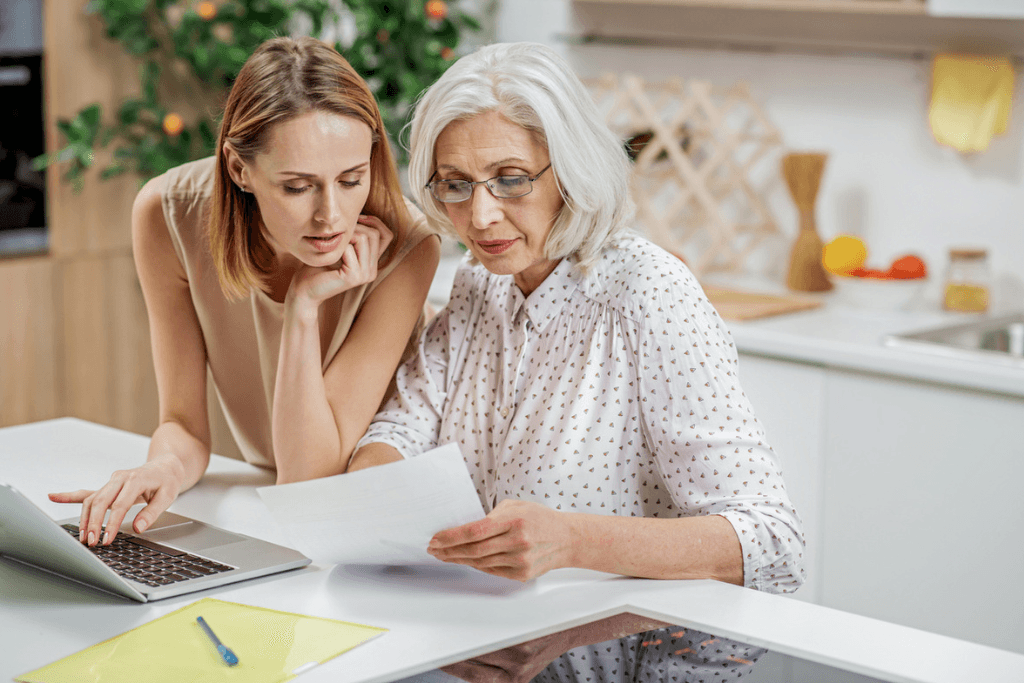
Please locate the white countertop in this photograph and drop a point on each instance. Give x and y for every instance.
(839, 335)
(434, 616)
(844, 337)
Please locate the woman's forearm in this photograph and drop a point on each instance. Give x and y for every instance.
(703, 547)
(307, 439)
(184, 453)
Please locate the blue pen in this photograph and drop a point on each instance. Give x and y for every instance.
(227, 655)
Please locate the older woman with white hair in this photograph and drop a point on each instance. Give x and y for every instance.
(590, 385)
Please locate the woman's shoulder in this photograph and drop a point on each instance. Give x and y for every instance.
(191, 179)
(183, 194)
(635, 275)
(417, 228)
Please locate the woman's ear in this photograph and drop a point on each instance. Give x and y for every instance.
(237, 168)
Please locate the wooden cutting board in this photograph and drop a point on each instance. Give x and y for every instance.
(733, 304)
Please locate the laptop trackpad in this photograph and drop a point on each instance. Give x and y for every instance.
(192, 536)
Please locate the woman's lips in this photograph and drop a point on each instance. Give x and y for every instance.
(326, 243)
(495, 246)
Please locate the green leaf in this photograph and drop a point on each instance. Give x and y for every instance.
(107, 136)
(112, 171)
(469, 21)
(128, 115)
(90, 116)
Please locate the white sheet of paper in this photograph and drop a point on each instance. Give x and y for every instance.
(380, 515)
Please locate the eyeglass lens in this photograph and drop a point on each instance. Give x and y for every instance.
(502, 187)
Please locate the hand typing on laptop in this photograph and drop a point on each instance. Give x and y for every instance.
(176, 462)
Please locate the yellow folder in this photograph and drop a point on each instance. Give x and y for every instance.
(271, 646)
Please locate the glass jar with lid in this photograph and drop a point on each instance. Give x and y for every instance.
(968, 281)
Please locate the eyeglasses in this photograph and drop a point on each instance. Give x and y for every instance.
(502, 187)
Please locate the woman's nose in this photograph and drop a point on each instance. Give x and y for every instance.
(484, 206)
(329, 209)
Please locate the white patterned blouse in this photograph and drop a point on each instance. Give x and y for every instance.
(613, 392)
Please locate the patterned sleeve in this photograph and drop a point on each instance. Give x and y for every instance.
(411, 419)
(709, 446)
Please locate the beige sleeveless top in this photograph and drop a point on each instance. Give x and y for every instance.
(243, 337)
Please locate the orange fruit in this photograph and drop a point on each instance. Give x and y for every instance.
(436, 9)
(843, 254)
(875, 274)
(908, 267)
(206, 10)
(173, 124)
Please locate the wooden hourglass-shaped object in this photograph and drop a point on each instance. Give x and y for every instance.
(803, 173)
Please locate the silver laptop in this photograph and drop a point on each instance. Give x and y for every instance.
(176, 555)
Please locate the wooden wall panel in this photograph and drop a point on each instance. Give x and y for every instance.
(104, 369)
(107, 364)
(83, 67)
(28, 342)
(134, 404)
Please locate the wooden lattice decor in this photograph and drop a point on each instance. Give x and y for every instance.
(705, 162)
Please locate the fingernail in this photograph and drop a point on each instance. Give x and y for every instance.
(81, 535)
(92, 538)
(106, 537)
(140, 525)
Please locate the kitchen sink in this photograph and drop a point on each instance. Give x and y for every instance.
(999, 340)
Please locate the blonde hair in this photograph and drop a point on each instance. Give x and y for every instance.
(530, 85)
(283, 78)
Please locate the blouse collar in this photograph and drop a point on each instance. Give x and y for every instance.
(545, 302)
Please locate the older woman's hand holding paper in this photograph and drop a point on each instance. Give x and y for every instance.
(382, 515)
(589, 384)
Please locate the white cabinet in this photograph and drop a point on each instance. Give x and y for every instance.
(912, 495)
(924, 507)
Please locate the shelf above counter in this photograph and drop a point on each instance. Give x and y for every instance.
(905, 7)
(875, 27)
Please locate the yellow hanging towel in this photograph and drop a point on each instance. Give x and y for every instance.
(971, 98)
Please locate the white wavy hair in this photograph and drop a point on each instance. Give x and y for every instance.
(530, 85)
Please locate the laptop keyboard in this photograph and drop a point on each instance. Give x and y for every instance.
(150, 563)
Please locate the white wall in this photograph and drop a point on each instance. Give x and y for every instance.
(886, 181)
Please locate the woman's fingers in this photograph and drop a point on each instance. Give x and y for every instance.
(386, 236)
(160, 501)
(518, 539)
(148, 483)
(357, 265)
(78, 496)
(496, 545)
(94, 510)
(125, 499)
(366, 256)
(473, 532)
(475, 671)
(70, 496)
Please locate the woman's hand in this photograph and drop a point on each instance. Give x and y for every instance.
(519, 540)
(157, 483)
(358, 266)
(516, 664)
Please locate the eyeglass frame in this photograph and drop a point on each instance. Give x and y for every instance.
(487, 183)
